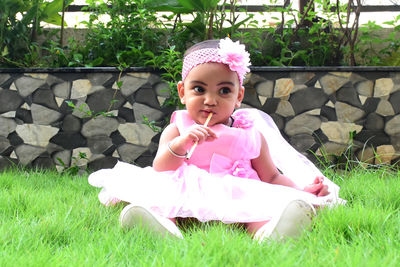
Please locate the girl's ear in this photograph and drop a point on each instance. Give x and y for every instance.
(181, 92)
(240, 97)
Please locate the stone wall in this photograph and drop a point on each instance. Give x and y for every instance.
(315, 109)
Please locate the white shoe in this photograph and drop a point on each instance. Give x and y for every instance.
(137, 216)
(295, 218)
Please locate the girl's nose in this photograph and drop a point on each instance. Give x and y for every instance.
(209, 100)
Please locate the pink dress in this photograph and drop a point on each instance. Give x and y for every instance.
(218, 182)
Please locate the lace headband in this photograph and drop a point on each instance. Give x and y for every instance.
(233, 54)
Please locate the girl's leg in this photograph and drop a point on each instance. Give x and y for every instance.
(253, 227)
(138, 216)
(295, 218)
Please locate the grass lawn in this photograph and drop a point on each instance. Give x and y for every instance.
(48, 219)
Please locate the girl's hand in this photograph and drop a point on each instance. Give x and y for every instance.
(196, 133)
(317, 188)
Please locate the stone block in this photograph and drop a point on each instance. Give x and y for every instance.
(62, 158)
(365, 88)
(80, 88)
(27, 85)
(99, 144)
(69, 140)
(10, 114)
(62, 90)
(99, 126)
(43, 162)
(27, 153)
(101, 100)
(5, 146)
(51, 80)
(81, 156)
(348, 94)
(43, 115)
(24, 115)
(45, 97)
(383, 87)
(339, 132)
(36, 135)
(348, 113)
(366, 155)
(130, 84)
(129, 152)
(301, 77)
(395, 141)
(271, 105)
(140, 110)
(102, 163)
(374, 138)
(7, 126)
(302, 124)
(329, 113)
(385, 108)
(162, 89)
(71, 124)
(285, 109)
(136, 133)
(4, 77)
(283, 87)
(265, 88)
(331, 83)
(7, 163)
(395, 101)
(331, 148)
(392, 126)
(99, 78)
(9, 101)
(308, 99)
(374, 122)
(251, 97)
(385, 154)
(148, 97)
(302, 142)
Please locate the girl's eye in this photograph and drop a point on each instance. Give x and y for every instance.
(198, 89)
(225, 91)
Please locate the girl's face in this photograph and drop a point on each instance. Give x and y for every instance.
(211, 87)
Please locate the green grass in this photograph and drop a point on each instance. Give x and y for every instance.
(47, 219)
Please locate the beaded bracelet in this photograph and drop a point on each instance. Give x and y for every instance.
(173, 153)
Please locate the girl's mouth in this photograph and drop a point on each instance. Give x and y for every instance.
(207, 112)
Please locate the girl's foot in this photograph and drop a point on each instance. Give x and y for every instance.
(295, 218)
(138, 216)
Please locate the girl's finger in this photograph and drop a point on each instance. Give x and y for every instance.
(324, 191)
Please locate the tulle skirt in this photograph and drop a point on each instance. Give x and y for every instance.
(192, 192)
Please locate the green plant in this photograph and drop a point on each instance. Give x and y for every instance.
(18, 37)
(74, 168)
(170, 61)
(374, 50)
(131, 31)
(84, 108)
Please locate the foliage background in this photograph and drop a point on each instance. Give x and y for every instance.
(137, 34)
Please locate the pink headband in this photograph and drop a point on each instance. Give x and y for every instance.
(230, 53)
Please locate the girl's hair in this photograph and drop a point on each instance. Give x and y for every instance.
(202, 45)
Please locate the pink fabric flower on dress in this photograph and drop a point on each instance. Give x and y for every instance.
(239, 169)
(242, 121)
(235, 56)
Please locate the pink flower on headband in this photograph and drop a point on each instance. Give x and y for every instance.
(234, 55)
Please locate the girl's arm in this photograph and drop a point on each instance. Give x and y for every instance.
(268, 173)
(267, 170)
(179, 144)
